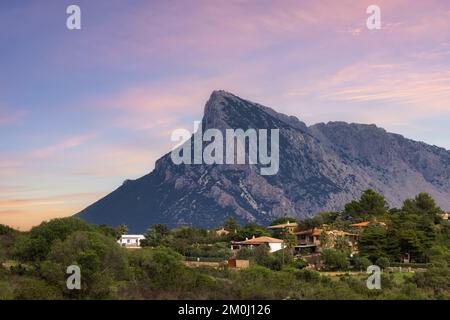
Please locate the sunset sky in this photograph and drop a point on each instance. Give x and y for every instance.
(83, 110)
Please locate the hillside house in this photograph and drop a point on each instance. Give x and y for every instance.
(222, 232)
(315, 240)
(273, 243)
(131, 240)
(308, 241)
(289, 226)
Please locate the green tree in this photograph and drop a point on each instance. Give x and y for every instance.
(250, 230)
(8, 238)
(155, 236)
(411, 232)
(192, 235)
(318, 220)
(283, 220)
(35, 245)
(290, 240)
(325, 240)
(382, 262)
(261, 253)
(161, 269)
(439, 252)
(372, 242)
(341, 244)
(161, 230)
(335, 260)
(423, 203)
(109, 231)
(122, 229)
(4, 230)
(371, 205)
(101, 260)
(361, 263)
(244, 253)
(231, 225)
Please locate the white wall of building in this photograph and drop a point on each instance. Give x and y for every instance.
(131, 240)
(275, 246)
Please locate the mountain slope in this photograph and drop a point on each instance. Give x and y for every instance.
(322, 167)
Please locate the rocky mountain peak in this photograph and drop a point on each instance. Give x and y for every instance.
(225, 109)
(322, 167)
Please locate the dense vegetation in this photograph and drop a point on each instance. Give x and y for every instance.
(33, 264)
(415, 232)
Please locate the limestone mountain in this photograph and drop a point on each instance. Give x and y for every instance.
(322, 167)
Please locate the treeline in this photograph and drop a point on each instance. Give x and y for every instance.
(416, 232)
(33, 264)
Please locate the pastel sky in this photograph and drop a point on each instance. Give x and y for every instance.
(83, 110)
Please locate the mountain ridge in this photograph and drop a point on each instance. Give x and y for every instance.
(322, 167)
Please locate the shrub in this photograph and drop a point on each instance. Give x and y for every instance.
(6, 292)
(35, 245)
(335, 260)
(383, 262)
(436, 277)
(299, 263)
(361, 263)
(307, 275)
(160, 268)
(35, 289)
(244, 253)
(255, 273)
(100, 258)
(4, 230)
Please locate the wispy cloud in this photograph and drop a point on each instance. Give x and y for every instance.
(422, 92)
(60, 147)
(9, 116)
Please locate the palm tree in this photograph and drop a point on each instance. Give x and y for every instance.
(122, 229)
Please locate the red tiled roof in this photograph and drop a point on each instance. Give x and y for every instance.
(312, 232)
(367, 223)
(360, 224)
(260, 240)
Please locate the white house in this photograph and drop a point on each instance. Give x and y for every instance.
(273, 243)
(131, 240)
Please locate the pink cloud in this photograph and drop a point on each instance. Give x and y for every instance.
(197, 32)
(391, 95)
(10, 116)
(162, 105)
(67, 143)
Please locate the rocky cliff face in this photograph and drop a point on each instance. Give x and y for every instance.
(322, 167)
